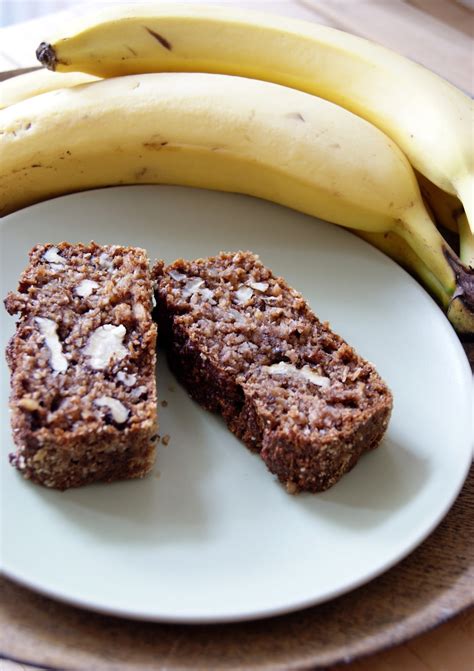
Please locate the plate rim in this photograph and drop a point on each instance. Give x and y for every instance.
(262, 613)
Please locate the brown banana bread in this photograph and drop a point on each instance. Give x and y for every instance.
(82, 362)
(246, 345)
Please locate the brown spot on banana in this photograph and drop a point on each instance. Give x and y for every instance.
(155, 145)
(159, 38)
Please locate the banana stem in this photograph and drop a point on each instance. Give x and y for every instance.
(466, 242)
(456, 278)
(461, 308)
(465, 190)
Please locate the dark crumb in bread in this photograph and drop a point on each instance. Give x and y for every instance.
(82, 362)
(246, 345)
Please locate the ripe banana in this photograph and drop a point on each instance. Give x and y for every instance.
(400, 251)
(466, 242)
(224, 133)
(427, 117)
(31, 84)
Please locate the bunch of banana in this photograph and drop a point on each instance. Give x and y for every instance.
(429, 119)
(248, 136)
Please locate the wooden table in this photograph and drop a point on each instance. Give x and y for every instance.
(436, 33)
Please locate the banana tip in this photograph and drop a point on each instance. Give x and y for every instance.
(461, 307)
(46, 55)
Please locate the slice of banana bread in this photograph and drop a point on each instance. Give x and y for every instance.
(246, 345)
(82, 362)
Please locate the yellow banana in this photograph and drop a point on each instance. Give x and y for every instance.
(431, 120)
(466, 242)
(400, 251)
(31, 84)
(224, 133)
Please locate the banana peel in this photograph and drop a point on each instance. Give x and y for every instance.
(461, 306)
(433, 125)
(96, 121)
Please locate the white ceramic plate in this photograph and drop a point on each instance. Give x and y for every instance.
(211, 536)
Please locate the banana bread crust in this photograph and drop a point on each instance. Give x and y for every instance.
(246, 345)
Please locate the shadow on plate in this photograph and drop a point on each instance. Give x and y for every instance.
(164, 508)
(382, 483)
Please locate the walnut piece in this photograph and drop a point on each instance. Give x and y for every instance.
(85, 288)
(48, 330)
(52, 257)
(28, 404)
(128, 380)
(283, 368)
(192, 286)
(117, 409)
(243, 295)
(176, 275)
(105, 344)
(259, 286)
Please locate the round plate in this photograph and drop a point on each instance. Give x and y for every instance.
(210, 535)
